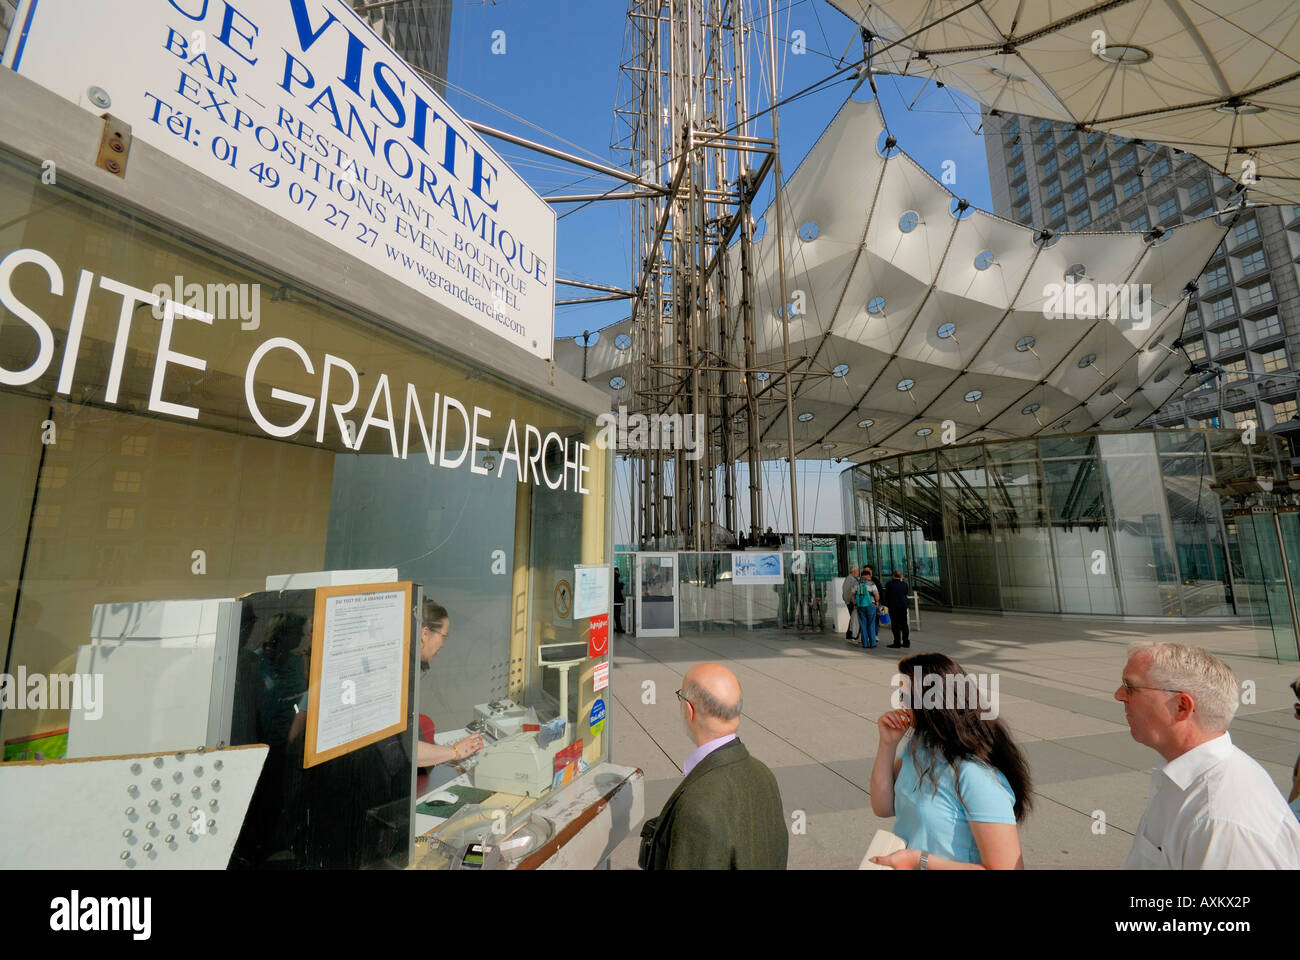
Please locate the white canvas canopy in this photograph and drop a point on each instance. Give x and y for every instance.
(927, 315)
(1216, 78)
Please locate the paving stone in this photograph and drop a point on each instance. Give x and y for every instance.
(811, 704)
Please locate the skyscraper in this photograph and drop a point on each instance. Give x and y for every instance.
(1245, 313)
(8, 11)
(419, 30)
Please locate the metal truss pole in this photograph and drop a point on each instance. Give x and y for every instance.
(785, 295)
(692, 159)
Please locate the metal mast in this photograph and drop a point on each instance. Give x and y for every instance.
(688, 116)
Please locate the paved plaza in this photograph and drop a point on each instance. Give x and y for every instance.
(811, 704)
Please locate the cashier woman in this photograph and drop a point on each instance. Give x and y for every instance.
(433, 634)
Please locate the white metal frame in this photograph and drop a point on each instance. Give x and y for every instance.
(641, 630)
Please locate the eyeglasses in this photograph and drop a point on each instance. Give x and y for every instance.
(1129, 688)
(683, 699)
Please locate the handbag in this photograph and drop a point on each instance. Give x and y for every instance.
(646, 854)
(884, 617)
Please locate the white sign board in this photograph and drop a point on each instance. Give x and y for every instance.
(590, 591)
(301, 107)
(756, 568)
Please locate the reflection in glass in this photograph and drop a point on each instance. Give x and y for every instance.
(1108, 524)
(1285, 642)
(658, 580)
(1143, 561)
(968, 537)
(1024, 557)
(1261, 575)
(1079, 536)
(1193, 514)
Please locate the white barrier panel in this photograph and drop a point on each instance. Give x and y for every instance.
(127, 813)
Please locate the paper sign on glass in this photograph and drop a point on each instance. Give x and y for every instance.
(591, 590)
(752, 567)
(360, 668)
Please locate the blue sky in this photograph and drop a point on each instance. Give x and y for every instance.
(560, 72)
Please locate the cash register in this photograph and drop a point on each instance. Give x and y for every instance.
(519, 751)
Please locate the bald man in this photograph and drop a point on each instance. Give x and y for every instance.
(726, 814)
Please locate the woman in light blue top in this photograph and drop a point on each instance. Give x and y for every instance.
(866, 598)
(962, 785)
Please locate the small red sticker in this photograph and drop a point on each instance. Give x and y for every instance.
(598, 639)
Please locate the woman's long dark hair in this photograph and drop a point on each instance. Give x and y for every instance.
(959, 733)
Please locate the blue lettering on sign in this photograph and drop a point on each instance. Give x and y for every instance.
(355, 147)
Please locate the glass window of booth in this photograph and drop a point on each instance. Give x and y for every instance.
(152, 455)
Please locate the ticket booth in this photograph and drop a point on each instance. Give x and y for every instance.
(278, 416)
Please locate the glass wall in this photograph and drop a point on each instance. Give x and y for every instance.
(1266, 544)
(968, 542)
(709, 602)
(1118, 524)
(154, 456)
(1077, 518)
(1025, 570)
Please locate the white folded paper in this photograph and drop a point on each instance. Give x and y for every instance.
(882, 845)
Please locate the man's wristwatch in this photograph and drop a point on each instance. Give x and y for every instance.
(925, 862)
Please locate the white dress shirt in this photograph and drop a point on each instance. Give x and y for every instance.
(1214, 808)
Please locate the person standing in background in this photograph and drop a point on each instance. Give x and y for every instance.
(619, 601)
(869, 574)
(849, 591)
(895, 597)
(867, 597)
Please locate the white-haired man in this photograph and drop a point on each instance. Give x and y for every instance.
(1211, 805)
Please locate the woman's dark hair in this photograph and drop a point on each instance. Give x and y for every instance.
(956, 730)
(432, 615)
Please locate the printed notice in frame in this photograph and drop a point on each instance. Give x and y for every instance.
(590, 590)
(360, 668)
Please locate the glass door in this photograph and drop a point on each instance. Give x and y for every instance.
(1263, 579)
(656, 589)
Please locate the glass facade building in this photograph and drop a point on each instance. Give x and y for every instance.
(1245, 312)
(1098, 524)
(418, 30)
